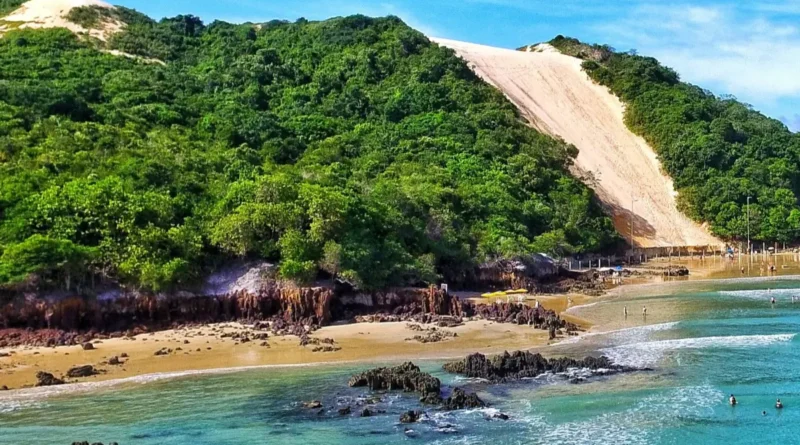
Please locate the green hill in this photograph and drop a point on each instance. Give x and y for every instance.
(352, 146)
(717, 150)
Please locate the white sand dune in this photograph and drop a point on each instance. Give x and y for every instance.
(52, 14)
(558, 98)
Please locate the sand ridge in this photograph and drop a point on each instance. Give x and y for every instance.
(558, 98)
(37, 14)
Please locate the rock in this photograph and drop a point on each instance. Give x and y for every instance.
(164, 351)
(81, 371)
(4, 388)
(124, 355)
(500, 416)
(114, 361)
(4, 354)
(410, 416)
(406, 377)
(47, 379)
(344, 411)
(366, 412)
(186, 342)
(517, 365)
(461, 400)
(314, 404)
(87, 346)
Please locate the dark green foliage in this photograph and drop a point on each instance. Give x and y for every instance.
(89, 17)
(718, 150)
(8, 6)
(352, 146)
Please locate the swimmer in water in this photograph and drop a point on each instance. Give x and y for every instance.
(763, 413)
(733, 400)
(772, 300)
(778, 404)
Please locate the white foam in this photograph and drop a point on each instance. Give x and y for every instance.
(625, 335)
(582, 306)
(762, 294)
(650, 353)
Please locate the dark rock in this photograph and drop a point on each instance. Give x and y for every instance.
(366, 412)
(410, 416)
(500, 416)
(517, 365)
(114, 361)
(164, 351)
(406, 377)
(87, 346)
(461, 400)
(47, 379)
(81, 371)
(4, 388)
(124, 355)
(344, 411)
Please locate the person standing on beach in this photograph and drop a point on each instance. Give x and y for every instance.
(625, 311)
(644, 311)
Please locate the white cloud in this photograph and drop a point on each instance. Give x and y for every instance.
(732, 49)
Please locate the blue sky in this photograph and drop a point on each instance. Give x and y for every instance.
(747, 48)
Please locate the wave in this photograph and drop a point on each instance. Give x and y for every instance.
(649, 354)
(625, 335)
(762, 294)
(582, 306)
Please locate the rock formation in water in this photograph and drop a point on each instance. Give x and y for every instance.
(517, 365)
(409, 378)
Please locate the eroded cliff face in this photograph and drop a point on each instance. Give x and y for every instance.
(308, 305)
(289, 310)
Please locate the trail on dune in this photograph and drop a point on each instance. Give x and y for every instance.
(558, 98)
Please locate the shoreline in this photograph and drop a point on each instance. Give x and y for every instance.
(212, 348)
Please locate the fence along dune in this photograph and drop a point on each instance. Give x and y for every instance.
(556, 97)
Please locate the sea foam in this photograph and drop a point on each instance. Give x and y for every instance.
(650, 353)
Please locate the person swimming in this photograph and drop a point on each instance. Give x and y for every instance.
(772, 300)
(763, 413)
(778, 404)
(733, 400)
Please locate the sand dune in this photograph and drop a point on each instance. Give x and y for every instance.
(558, 98)
(52, 14)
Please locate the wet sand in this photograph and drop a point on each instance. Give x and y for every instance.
(206, 349)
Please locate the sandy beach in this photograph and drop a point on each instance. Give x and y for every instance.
(213, 347)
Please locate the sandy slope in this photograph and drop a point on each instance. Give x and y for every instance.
(559, 99)
(51, 14)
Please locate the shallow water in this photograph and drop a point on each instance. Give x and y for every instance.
(704, 343)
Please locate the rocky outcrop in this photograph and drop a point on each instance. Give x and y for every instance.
(517, 365)
(282, 305)
(406, 377)
(47, 379)
(461, 400)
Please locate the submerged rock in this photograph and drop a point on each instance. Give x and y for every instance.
(314, 404)
(344, 411)
(410, 416)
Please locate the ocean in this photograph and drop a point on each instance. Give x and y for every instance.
(703, 341)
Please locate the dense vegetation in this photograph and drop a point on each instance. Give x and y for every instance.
(718, 150)
(7, 6)
(352, 146)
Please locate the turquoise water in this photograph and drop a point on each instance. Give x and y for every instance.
(712, 341)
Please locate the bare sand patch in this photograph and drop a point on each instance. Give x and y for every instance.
(558, 98)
